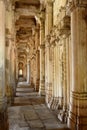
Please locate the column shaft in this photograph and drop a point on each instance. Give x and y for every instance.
(49, 17)
(2, 67)
(78, 97)
(37, 70)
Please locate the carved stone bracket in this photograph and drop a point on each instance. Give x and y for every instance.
(53, 37)
(76, 3)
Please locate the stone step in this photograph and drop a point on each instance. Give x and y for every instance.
(24, 89)
(29, 100)
(29, 93)
(23, 94)
(24, 86)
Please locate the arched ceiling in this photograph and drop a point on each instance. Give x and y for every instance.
(26, 12)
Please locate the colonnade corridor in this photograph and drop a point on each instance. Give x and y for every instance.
(43, 64)
(29, 111)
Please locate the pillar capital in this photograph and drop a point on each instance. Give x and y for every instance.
(72, 4)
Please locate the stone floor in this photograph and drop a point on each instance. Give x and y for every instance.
(30, 112)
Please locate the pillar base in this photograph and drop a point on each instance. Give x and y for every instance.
(77, 122)
(42, 88)
(37, 85)
(78, 111)
(3, 113)
(42, 92)
(63, 115)
(48, 93)
(55, 103)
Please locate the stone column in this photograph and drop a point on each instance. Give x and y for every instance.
(48, 73)
(25, 70)
(9, 43)
(78, 96)
(28, 72)
(64, 76)
(68, 58)
(42, 70)
(2, 65)
(2, 48)
(37, 70)
(60, 75)
(42, 57)
(37, 57)
(49, 16)
(16, 66)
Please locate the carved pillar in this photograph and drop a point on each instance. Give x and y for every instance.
(49, 16)
(11, 49)
(60, 74)
(42, 69)
(78, 96)
(16, 66)
(12, 77)
(2, 48)
(42, 54)
(37, 70)
(48, 72)
(37, 61)
(9, 44)
(2, 66)
(54, 75)
(25, 70)
(28, 72)
(55, 87)
(64, 75)
(68, 58)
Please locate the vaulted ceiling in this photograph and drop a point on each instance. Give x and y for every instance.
(26, 12)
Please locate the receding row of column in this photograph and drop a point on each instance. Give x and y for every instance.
(69, 86)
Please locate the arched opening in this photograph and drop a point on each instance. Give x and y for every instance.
(20, 72)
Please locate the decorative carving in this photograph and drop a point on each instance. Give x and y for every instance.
(76, 3)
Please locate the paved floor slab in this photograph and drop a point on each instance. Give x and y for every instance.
(32, 117)
(29, 112)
